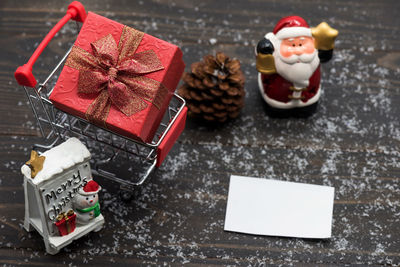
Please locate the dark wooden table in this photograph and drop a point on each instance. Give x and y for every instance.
(351, 143)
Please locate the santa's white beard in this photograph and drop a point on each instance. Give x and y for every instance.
(297, 69)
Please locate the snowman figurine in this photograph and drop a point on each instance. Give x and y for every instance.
(86, 203)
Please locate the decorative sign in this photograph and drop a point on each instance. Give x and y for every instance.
(58, 197)
(51, 198)
(57, 194)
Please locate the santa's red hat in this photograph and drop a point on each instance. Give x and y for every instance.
(292, 26)
(90, 188)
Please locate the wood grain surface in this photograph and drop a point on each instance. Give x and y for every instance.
(351, 143)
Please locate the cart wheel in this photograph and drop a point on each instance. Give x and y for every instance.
(126, 196)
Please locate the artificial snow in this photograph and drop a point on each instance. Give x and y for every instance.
(60, 158)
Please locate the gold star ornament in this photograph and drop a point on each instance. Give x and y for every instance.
(35, 163)
(324, 36)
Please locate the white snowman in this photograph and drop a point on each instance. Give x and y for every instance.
(86, 203)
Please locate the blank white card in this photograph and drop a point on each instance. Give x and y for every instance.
(278, 208)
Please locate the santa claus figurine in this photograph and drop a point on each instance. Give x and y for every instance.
(86, 203)
(288, 61)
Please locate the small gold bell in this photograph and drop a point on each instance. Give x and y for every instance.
(265, 63)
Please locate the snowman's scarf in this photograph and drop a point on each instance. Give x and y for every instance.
(96, 209)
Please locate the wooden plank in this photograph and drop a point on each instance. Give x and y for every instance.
(351, 143)
(190, 193)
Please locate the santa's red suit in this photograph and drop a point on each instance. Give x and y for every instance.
(277, 89)
(279, 92)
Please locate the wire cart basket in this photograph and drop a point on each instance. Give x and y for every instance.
(136, 159)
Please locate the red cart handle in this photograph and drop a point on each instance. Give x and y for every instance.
(23, 74)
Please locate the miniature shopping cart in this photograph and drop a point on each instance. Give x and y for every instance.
(132, 161)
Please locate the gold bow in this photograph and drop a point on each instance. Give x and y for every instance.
(115, 73)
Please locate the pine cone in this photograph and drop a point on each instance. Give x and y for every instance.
(214, 90)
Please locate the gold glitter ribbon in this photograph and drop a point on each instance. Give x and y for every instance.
(116, 74)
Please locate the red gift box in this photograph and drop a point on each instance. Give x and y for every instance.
(61, 225)
(66, 222)
(91, 87)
